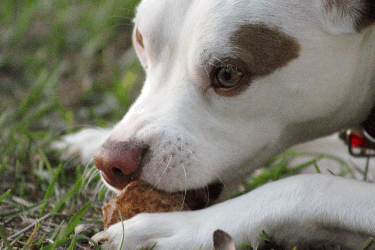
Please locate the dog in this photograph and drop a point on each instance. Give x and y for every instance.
(229, 85)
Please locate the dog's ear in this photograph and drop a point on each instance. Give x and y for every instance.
(223, 241)
(346, 16)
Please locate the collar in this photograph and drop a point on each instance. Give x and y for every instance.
(361, 142)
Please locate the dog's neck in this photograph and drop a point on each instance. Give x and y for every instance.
(363, 140)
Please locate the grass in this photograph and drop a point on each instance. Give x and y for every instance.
(64, 64)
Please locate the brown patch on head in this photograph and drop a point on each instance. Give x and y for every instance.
(263, 49)
(138, 38)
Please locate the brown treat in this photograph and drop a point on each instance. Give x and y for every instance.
(139, 197)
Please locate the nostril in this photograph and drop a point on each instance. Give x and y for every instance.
(117, 155)
(117, 172)
(120, 162)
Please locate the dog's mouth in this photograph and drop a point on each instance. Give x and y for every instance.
(200, 198)
(195, 198)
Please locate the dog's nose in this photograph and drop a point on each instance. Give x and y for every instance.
(119, 162)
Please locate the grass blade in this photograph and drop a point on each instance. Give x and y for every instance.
(49, 189)
(16, 240)
(46, 161)
(123, 229)
(38, 222)
(76, 218)
(366, 169)
(4, 164)
(73, 242)
(317, 168)
(57, 243)
(57, 232)
(369, 243)
(4, 239)
(84, 237)
(41, 240)
(74, 190)
(22, 210)
(36, 93)
(5, 195)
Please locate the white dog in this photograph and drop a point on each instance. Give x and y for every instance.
(230, 84)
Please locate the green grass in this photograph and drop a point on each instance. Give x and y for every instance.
(63, 67)
(282, 166)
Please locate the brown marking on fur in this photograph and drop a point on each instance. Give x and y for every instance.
(139, 38)
(263, 49)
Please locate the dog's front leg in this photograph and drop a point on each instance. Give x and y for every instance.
(174, 230)
(305, 209)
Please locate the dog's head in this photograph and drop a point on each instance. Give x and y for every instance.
(232, 83)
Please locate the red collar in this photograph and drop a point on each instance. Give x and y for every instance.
(361, 142)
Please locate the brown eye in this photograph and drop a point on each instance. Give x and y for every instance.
(139, 38)
(228, 77)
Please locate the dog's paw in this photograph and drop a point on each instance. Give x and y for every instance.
(174, 230)
(82, 144)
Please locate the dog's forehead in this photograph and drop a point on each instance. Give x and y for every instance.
(255, 31)
(199, 19)
(160, 21)
(197, 31)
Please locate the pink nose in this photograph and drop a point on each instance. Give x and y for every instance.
(119, 162)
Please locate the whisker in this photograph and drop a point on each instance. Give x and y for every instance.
(185, 189)
(99, 186)
(227, 191)
(89, 176)
(191, 152)
(165, 169)
(108, 193)
(208, 195)
(218, 177)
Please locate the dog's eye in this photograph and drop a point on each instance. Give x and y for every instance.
(228, 77)
(139, 38)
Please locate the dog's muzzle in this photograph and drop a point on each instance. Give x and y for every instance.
(122, 163)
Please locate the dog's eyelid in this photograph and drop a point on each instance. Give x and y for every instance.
(228, 62)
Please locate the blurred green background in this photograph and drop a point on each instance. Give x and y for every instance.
(64, 65)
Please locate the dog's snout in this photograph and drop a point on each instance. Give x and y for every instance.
(120, 162)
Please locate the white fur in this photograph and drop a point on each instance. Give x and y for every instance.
(303, 208)
(197, 137)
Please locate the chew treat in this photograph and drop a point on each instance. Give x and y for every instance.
(139, 197)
